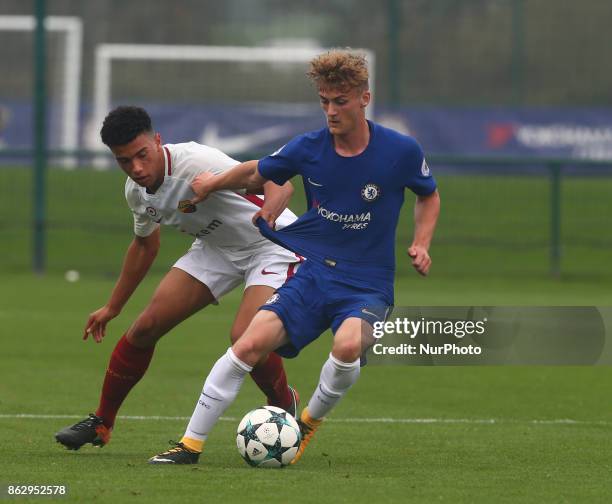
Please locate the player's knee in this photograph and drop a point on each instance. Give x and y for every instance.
(236, 333)
(249, 350)
(347, 350)
(144, 331)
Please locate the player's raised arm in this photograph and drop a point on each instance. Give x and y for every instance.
(139, 257)
(242, 176)
(426, 211)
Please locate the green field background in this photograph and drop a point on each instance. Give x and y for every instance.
(459, 434)
(490, 225)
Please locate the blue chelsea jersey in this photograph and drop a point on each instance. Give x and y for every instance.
(353, 202)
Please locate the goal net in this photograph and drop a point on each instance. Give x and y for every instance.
(243, 100)
(64, 46)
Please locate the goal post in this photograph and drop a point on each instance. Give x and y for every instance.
(69, 97)
(106, 54)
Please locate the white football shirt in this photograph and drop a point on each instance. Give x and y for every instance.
(222, 220)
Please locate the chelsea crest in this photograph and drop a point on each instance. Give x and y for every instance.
(370, 192)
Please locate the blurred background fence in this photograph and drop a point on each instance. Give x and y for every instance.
(511, 100)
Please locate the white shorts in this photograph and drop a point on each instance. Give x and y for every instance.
(266, 264)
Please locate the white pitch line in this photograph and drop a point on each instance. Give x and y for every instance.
(480, 421)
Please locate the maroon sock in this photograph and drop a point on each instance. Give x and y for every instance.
(127, 366)
(270, 377)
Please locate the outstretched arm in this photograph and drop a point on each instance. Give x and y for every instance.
(139, 257)
(242, 176)
(246, 176)
(426, 211)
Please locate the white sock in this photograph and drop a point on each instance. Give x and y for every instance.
(336, 378)
(220, 389)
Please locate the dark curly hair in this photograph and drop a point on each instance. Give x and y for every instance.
(123, 124)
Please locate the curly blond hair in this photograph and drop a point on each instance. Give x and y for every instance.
(339, 69)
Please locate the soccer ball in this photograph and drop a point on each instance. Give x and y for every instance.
(268, 437)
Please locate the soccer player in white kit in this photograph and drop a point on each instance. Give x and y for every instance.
(228, 250)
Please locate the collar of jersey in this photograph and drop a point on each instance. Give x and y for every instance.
(372, 128)
(167, 173)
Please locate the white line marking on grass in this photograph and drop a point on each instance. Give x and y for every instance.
(480, 421)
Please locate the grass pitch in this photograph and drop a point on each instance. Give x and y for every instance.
(490, 225)
(403, 434)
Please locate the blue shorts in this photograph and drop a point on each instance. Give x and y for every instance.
(319, 297)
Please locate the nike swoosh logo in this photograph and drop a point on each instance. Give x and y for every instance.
(369, 313)
(236, 144)
(264, 272)
(314, 183)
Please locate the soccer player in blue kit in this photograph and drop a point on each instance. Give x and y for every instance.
(355, 173)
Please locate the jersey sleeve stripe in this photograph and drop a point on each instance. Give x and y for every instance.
(253, 198)
(169, 161)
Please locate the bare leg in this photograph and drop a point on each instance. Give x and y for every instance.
(178, 296)
(268, 374)
(340, 371)
(338, 374)
(264, 334)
